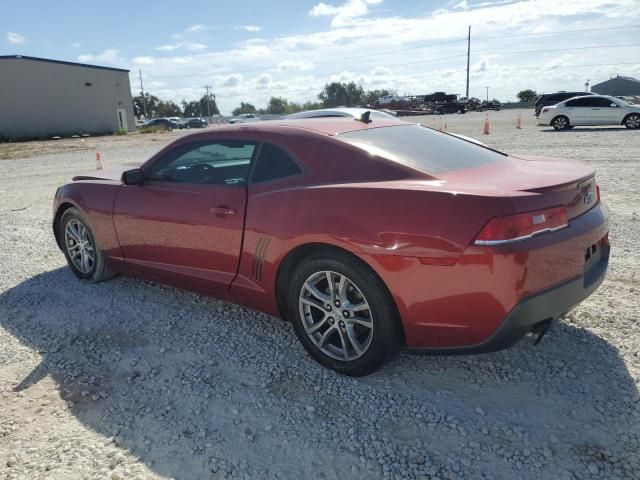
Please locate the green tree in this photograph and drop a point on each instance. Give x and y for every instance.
(204, 105)
(337, 94)
(311, 106)
(527, 95)
(152, 105)
(244, 108)
(191, 109)
(168, 109)
(277, 105)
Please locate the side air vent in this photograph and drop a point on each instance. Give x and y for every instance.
(259, 256)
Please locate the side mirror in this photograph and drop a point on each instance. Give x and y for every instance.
(133, 177)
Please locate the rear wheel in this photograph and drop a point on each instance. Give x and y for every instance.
(343, 314)
(560, 122)
(632, 121)
(78, 243)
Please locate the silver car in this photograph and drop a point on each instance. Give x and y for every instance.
(590, 110)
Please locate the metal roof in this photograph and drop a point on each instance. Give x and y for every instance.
(61, 62)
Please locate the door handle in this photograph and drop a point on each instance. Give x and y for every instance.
(223, 210)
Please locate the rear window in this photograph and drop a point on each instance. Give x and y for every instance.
(422, 148)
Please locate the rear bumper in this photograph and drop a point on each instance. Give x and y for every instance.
(548, 305)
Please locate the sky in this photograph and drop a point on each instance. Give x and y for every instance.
(250, 50)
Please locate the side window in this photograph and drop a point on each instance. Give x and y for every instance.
(554, 98)
(582, 102)
(273, 163)
(220, 162)
(602, 102)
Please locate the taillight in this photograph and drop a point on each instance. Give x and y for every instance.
(522, 226)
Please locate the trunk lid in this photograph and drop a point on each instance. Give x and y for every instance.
(534, 183)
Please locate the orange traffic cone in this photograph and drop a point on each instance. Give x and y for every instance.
(519, 121)
(486, 125)
(445, 125)
(99, 164)
(440, 124)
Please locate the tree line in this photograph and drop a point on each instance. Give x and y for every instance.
(334, 94)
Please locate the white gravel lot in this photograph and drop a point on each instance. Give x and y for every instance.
(129, 379)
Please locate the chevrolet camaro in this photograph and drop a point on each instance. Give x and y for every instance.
(369, 235)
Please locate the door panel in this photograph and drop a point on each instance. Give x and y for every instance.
(186, 232)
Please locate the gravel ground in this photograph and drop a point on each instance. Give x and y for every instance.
(129, 379)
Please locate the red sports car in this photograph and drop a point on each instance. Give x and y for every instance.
(368, 235)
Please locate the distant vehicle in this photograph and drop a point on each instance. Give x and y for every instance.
(449, 107)
(175, 119)
(192, 123)
(390, 99)
(555, 98)
(591, 110)
(245, 118)
(339, 112)
(140, 122)
(161, 122)
(492, 105)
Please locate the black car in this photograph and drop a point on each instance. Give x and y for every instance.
(192, 123)
(160, 122)
(554, 98)
(449, 107)
(492, 105)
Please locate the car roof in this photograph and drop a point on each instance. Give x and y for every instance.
(354, 112)
(322, 125)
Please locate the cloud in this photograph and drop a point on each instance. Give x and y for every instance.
(380, 72)
(263, 81)
(302, 66)
(110, 55)
(232, 80)
(195, 28)
(15, 38)
(181, 43)
(249, 28)
(144, 60)
(76, 45)
(343, 15)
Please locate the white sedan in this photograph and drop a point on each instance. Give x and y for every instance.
(590, 110)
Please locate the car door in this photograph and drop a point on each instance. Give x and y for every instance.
(605, 112)
(185, 221)
(579, 110)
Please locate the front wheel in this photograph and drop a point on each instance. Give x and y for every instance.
(560, 123)
(632, 121)
(343, 314)
(85, 259)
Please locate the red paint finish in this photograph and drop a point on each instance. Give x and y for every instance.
(416, 230)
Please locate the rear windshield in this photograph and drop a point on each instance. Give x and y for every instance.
(422, 148)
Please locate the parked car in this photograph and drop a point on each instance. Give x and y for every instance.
(449, 107)
(591, 110)
(245, 118)
(160, 122)
(491, 105)
(367, 236)
(352, 112)
(555, 98)
(192, 123)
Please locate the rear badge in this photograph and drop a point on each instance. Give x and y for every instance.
(588, 197)
(538, 219)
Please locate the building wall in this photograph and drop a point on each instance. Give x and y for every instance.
(40, 99)
(618, 86)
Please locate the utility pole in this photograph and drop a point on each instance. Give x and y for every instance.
(207, 87)
(144, 100)
(487, 94)
(468, 59)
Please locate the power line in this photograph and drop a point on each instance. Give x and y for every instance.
(538, 34)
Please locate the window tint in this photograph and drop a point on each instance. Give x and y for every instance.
(554, 98)
(421, 148)
(210, 163)
(272, 163)
(582, 102)
(602, 102)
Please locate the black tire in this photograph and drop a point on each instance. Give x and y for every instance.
(97, 270)
(560, 122)
(632, 121)
(386, 333)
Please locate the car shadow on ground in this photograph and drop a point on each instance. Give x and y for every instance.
(193, 387)
(589, 129)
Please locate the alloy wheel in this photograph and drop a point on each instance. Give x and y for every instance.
(336, 315)
(633, 121)
(79, 246)
(560, 123)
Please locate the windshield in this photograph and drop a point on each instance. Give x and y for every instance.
(422, 148)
